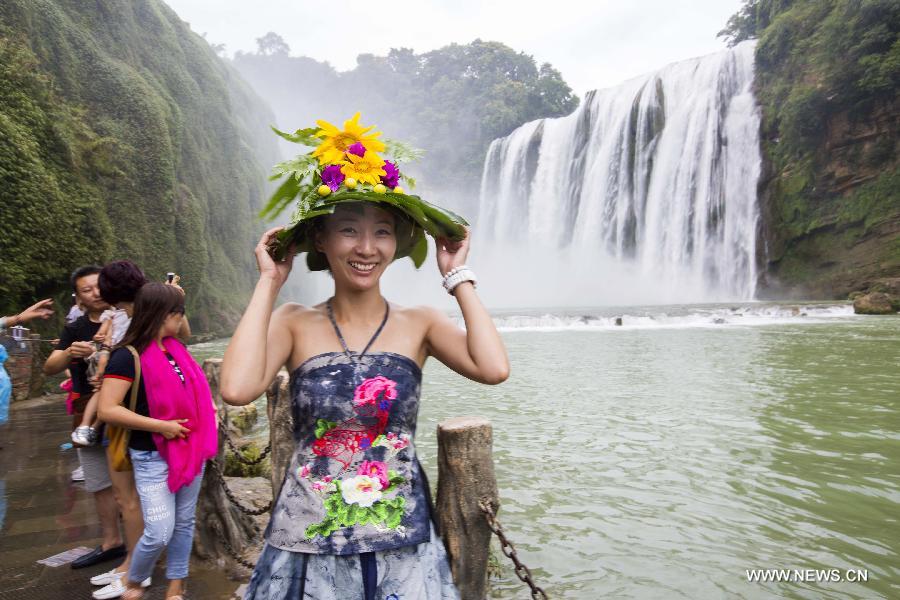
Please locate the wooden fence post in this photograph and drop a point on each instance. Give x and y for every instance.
(218, 518)
(466, 476)
(281, 429)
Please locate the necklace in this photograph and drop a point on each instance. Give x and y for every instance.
(357, 360)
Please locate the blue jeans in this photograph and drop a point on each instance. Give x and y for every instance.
(168, 518)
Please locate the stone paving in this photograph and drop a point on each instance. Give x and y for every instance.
(43, 513)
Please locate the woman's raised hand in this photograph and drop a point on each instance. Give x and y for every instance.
(268, 266)
(174, 429)
(452, 254)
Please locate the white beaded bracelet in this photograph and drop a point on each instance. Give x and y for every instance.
(457, 276)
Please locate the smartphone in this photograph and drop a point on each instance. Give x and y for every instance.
(170, 277)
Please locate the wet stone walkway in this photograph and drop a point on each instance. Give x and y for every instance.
(43, 513)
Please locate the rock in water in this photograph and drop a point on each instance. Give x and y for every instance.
(243, 417)
(876, 303)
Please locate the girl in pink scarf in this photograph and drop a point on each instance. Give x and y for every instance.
(173, 432)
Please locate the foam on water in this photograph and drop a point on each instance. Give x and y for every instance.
(672, 317)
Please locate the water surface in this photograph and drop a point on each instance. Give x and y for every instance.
(665, 457)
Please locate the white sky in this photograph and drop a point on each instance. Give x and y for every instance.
(594, 43)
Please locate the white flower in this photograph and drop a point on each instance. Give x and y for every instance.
(362, 490)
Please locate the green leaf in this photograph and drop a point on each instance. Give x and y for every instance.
(410, 182)
(379, 510)
(402, 152)
(325, 528)
(394, 516)
(283, 196)
(323, 426)
(420, 251)
(307, 136)
(351, 516)
(333, 502)
(436, 221)
(300, 167)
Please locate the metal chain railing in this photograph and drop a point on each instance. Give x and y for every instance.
(247, 511)
(506, 546)
(228, 547)
(237, 453)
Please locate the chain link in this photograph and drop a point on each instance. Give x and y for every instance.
(506, 546)
(247, 511)
(237, 453)
(228, 548)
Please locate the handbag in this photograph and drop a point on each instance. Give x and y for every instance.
(119, 436)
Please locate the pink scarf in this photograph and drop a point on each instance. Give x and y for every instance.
(168, 399)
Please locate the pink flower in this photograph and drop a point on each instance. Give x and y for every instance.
(324, 485)
(376, 470)
(368, 391)
(357, 148)
(391, 176)
(332, 177)
(305, 470)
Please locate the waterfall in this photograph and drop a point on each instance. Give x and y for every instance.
(648, 190)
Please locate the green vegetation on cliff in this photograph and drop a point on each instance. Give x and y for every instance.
(123, 135)
(828, 77)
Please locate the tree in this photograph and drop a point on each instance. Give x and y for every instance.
(272, 44)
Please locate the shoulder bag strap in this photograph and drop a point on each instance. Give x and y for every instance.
(136, 384)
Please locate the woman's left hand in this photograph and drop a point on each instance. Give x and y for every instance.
(451, 254)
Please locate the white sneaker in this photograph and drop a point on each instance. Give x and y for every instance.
(116, 588)
(78, 474)
(106, 578)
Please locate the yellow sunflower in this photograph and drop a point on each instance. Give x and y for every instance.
(367, 168)
(335, 142)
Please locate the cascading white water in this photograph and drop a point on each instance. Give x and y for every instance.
(648, 190)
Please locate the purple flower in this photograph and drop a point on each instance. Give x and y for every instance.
(391, 176)
(332, 177)
(357, 149)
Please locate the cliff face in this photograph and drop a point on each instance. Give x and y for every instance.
(123, 135)
(833, 226)
(828, 75)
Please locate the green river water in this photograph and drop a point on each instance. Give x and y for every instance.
(667, 457)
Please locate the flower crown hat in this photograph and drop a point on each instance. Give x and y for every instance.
(346, 165)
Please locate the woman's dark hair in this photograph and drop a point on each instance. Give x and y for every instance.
(82, 272)
(152, 304)
(119, 281)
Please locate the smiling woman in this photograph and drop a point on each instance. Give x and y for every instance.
(363, 236)
(352, 519)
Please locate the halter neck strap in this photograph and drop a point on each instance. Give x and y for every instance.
(337, 330)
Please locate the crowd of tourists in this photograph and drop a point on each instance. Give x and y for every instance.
(143, 421)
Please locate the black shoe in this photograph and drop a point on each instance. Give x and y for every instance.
(98, 555)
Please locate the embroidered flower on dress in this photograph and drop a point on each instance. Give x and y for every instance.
(362, 490)
(376, 470)
(325, 485)
(368, 391)
(393, 442)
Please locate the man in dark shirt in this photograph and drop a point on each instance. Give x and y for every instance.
(74, 347)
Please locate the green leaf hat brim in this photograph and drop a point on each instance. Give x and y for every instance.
(424, 218)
